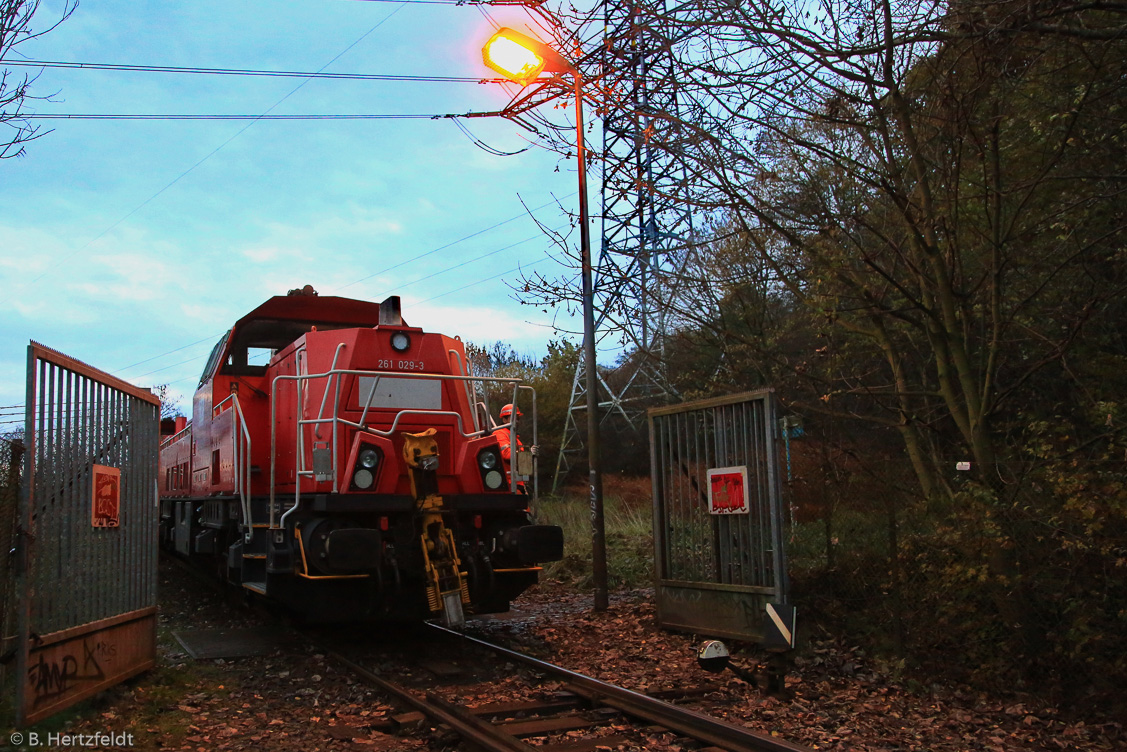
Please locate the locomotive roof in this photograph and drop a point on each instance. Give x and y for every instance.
(315, 309)
(284, 318)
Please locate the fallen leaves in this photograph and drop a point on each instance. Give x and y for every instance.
(842, 699)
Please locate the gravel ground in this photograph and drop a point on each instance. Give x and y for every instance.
(294, 699)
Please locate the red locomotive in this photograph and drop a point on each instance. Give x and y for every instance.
(352, 473)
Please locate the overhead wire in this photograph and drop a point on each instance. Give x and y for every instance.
(243, 72)
(516, 268)
(448, 245)
(165, 368)
(178, 349)
(266, 116)
(338, 289)
(216, 150)
(253, 118)
(470, 261)
(484, 146)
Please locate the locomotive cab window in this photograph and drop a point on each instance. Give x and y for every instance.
(248, 360)
(256, 341)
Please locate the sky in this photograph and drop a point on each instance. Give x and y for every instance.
(133, 246)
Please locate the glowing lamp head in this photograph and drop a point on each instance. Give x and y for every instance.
(507, 53)
(521, 58)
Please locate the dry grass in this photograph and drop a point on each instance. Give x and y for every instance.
(628, 518)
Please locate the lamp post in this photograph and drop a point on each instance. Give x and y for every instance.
(521, 59)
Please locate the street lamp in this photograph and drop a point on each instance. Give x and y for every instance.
(521, 59)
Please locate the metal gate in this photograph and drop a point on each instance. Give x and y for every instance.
(718, 517)
(87, 554)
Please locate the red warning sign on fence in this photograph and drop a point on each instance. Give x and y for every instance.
(105, 509)
(727, 490)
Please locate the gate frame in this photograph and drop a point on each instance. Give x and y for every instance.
(141, 621)
(780, 592)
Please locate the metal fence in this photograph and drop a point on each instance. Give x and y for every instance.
(86, 534)
(11, 460)
(719, 552)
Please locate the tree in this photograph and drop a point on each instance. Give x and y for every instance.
(170, 406)
(550, 377)
(919, 224)
(15, 89)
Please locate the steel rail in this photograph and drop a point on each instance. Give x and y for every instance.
(673, 717)
(458, 719)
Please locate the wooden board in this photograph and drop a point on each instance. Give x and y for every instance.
(66, 667)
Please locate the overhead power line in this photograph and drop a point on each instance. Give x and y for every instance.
(443, 2)
(178, 349)
(516, 268)
(448, 245)
(424, 254)
(214, 151)
(442, 294)
(244, 72)
(86, 116)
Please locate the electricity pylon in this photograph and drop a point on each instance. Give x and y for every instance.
(645, 218)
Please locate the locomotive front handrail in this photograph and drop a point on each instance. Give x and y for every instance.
(325, 396)
(278, 523)
(464, 369)
(367, 402)
(535, 443)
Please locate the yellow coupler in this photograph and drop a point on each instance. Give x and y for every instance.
(447, 588)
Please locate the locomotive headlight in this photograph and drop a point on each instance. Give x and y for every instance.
(487, 460)
(494, 479)
(362, 478)
(400, 341)
(368, 460)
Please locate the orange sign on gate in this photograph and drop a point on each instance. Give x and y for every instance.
(105, 508)
(727, 491)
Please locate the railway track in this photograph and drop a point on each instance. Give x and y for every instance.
(583, 714)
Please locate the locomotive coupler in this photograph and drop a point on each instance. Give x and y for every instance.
(447, 587)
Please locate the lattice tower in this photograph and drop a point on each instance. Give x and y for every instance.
(646, 222)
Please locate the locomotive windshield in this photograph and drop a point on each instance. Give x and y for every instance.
(213, 359)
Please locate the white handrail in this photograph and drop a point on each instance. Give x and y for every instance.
(535, 443)
(464, 369)
(515, 383)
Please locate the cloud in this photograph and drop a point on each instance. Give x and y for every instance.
(28, 252)
(475, 323)
(351, 223)
(261, 255)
